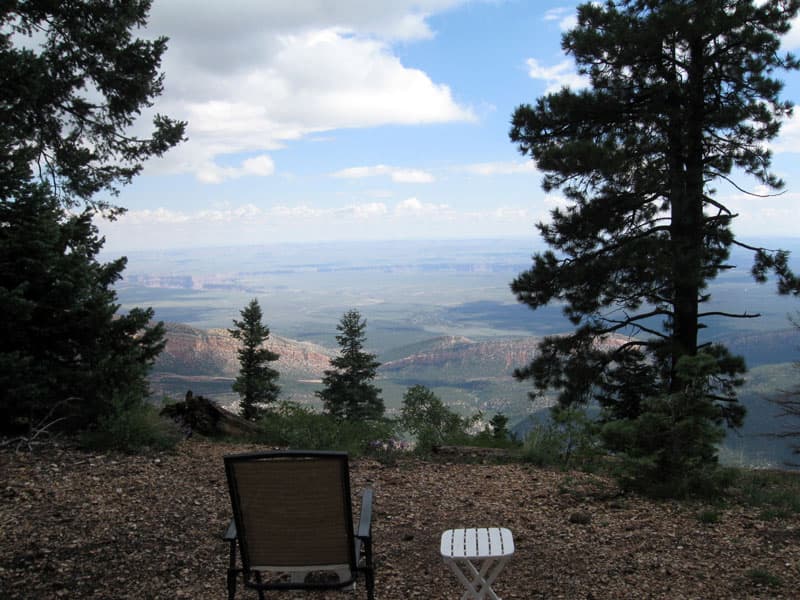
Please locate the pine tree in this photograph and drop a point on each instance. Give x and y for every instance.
(65, 351)
(682, 95)
(75, 79)
(348, 393)
(257, 382)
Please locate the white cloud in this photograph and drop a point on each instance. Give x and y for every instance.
(253, 78)
(397, 174)
(501, 168)
(366, 211)
(791, 41)
(511, 214)
(258, 166)
(251, 224)
(564, 15)
(775, 216)
(412, 207)
(147, 217)
(789, 138)
(556, 76)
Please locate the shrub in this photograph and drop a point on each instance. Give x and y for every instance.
(543, 445)
(132, 428)
(670, 448)
(708, 517)
(426, 417)
(293, 426)
(764, 577)
(568, 439)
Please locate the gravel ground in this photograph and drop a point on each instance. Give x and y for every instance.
(81, 525)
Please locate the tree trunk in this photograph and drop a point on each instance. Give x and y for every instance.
(687, 218)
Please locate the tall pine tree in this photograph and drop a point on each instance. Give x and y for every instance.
(257, 382)
(683, 95)
(75, 80)
(66, 353)
(348, 393)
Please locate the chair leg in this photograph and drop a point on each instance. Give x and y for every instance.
(258, 580)
(369, 577)
(232, 572)
(369, 572)
(231, 584)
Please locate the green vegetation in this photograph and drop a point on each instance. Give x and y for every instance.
(670, 447)
(709, 516)
(567, 440)
(348, 392)
(257, 382)
(294, 426)
(132, 427)
(764, 577)
(681, 95)
(65, 351)
(775, 493)
(432, 424)
(75, 79)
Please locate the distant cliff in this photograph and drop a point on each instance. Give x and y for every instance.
(212, 353)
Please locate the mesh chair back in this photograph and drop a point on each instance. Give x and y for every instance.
(292, 509)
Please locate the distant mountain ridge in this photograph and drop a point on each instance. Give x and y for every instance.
(212, 353)
(462, 357)
(466, 373)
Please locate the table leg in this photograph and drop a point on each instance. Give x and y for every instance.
(478, 585)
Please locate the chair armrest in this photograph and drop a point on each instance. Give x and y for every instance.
(365, 520)
(230, 532)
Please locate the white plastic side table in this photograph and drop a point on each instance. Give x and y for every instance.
(476, 556)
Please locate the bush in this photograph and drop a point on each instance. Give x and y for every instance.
(426, 417)
(762, 577)
(132, 428)
(293, 426)
(670, 449)
(543, 446)
(569, 439)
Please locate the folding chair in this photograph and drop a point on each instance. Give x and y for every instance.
(293, 523)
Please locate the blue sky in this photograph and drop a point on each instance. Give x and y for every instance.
(321, 120)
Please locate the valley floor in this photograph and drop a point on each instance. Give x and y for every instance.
(78, 525)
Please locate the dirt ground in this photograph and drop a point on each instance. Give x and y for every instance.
(81, 525)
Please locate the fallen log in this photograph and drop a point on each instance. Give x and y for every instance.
(197, 414)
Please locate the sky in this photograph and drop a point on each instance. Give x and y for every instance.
(322, 120)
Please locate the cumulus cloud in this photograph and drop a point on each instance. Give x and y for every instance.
(397, 174)
(258, 166)
(253, 79)
(557, 76)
